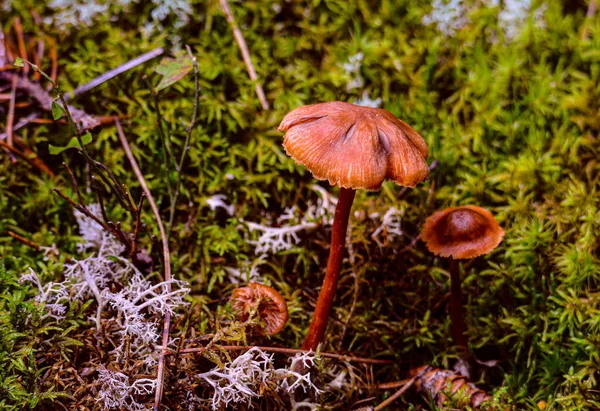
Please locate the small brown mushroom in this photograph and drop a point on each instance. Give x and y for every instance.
(460, 233)
(268, 303)
(356, 148)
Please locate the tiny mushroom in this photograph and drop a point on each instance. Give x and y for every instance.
(269, 305)
(460, 233)
(356, 148)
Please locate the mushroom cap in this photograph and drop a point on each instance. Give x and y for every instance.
(461, 232)
(354, 146)
(272, 308)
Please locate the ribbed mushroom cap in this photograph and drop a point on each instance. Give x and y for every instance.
(354, 146)
(272, 308)
(461, 232)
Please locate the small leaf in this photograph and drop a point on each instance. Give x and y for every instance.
(19, 62)
(173, 69)
(57, 110)
(86, 138)
(73, 143)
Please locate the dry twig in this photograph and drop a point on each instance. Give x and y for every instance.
(34, 162)
(11, 112)
(239, 38)
(283, 350)
(25, 241)
(589, 15)
(397, 394)
(166, 256)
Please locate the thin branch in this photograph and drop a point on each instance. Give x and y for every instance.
(282, 350)
(188, 135)
(115, 72)
(25, 156)
(11, 112)
(75, 185)
(35, 160)
(167, 155)
(84, 210)
(384, 386)
(239, 38)
(589, 15)
(136, 229)
(2, 47)
(167, 262)
(397, 394)
(21, 41)
(25, 241)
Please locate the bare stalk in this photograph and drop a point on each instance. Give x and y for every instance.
(332, 275)
(239, 38)
(167, 262)
(188, 136)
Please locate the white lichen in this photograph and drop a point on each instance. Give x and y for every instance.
(451, 16)
(247, 272)
(240, 381)
(217, 201)
(352, 69)
(117, 392)
(390, 225)
(53, 296)
(129, 309)
(448, 15)
(367, 101)
(291, 222)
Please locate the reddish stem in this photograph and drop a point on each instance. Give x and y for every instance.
(456, 310)
(332, 275)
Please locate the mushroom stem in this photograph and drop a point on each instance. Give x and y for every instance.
(332, 275)
(456, 310)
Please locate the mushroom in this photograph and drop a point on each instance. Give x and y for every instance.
(265, 301)
(356, 148)
(460, 233)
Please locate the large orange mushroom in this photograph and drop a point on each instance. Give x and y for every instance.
(460, 233)
(356, 148)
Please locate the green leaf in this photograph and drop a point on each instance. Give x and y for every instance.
(73, 143)
(173, 69)
(57, 110)
(19, 62)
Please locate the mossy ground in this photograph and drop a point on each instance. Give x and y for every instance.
(514, 124)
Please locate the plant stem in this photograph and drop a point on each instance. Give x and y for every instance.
(456, 310)
(186, 144)
(332, 275)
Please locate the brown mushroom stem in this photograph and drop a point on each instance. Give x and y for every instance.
(456, 310)
(332, 275)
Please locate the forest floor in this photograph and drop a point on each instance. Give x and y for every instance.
(505, 94)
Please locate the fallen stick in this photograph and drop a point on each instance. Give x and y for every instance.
(239, 38)
(115, 72)
(167, 262)
(397, 394)
(283, 350)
